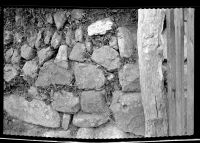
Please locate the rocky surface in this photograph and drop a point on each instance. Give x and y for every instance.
(128, 112)
(109, 131)
(79, 34)
(35, 112)
(58, 134)
(107, 57)
(8, 55)
(125, 42)
(86, 120)
(59, 18)
(53, 74)
(85, 133)
(39, 39)
(15, 57)
(129, 77)
(65, 102)
(8, 37)
(100, 27)
(45, 54)
(56, 39)
(62, 69)
(65, 121)
(27, 52)
(88, 76)
(10, 72)
(77, 53)
(30, 68)
(93, 102)
(62, 54)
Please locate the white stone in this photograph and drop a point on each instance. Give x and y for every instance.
(10, 72)
(100, 27)
(62, 54)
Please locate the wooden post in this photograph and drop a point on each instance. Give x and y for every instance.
(171, 79)
(150, 50)
(179, 43)
(190, 71)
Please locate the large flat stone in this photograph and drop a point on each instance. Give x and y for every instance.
(53, 74)
(86, 120)
(35, 112)
(30, 68)
(109, 131)
(100, 27)
(88, 76)
(93, 102)
(58, 134)
(65, 102)
(129, 77)
(128, 112)
(85, 133)
(107, 57)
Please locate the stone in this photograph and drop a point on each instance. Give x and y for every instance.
(110, 76)
(8, 55)
(65, 121)
(56, 39)
(59, 19)
(93, 102)
(31, 39)
(44, 55)
(15, 57)
(85, 133)
(33, 91)
(49, 18)
(39, 39)
(58, 134)
(79, 34)
(35, 112)
(18, 38)
(77, 14)
(48, 34)
(65, 102)
(27, 52)
(128, 112)
(8, 37)
(107, 57)
(129, 77)
(100, 27)
(109, 131)
(88, 46)
(30, 68)
(53, 74)
(62, 54)
(113, 43)
(125, 42)
(10, 72)
(77, 53)
(86, 120)
(63, 64)
(88, 76)
(69, 35)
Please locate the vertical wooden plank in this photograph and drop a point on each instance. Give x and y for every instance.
(190, 71)
(179, 44)
(171, 60)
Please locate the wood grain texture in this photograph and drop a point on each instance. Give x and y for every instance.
(150, 27)
(171, 79)
(179, 44)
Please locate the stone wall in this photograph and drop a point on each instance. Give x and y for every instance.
(71, 81)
